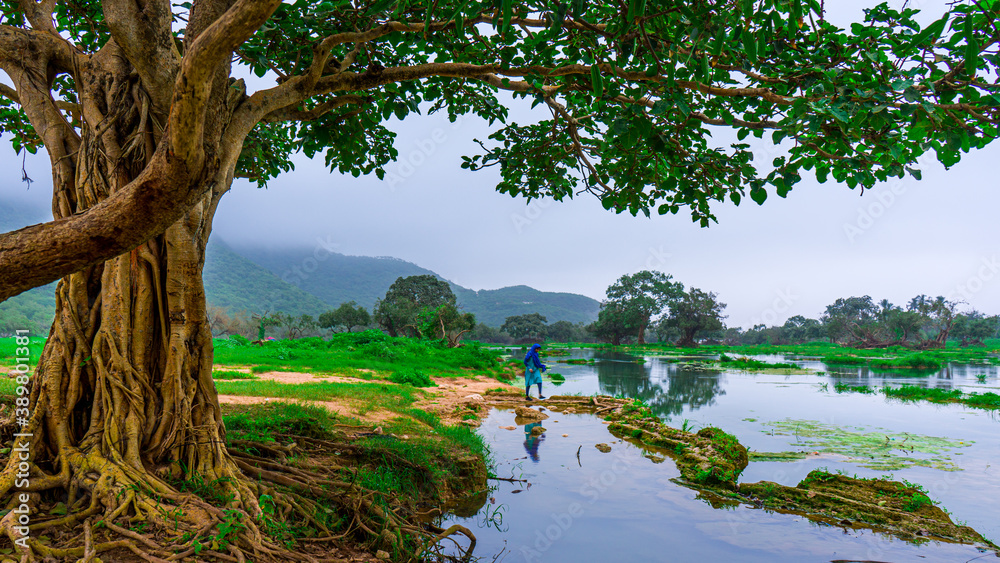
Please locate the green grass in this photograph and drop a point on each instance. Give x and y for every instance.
(364, 395)
(750, 364)
(412, 377)
(8, 349)
(230, 374)
(987, 401)
(260, 423)
(7, 390)
(920, 360)
(351, 352)
(841, 387)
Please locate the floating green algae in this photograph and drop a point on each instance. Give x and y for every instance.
(777, 456)
(874, 448)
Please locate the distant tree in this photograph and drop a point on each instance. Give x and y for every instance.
(799, 329)
(294, 326)
(854, 319)
(642, 296)
(565, 331)
(407, 297)
(348, 315)
(614, 324)
(219, 320)
(973, 328)
(940, 315)
(904, 326)
(446, 323)
(695, 312)
(525, 326)
(264, 320)
(486, 333)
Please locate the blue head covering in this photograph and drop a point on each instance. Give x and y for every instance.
(532, 357)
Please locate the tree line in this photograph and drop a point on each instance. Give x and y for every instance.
(647, 306)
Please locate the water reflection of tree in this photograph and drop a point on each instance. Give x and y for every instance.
(666, 389)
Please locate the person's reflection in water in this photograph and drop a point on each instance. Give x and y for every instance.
(531, 442)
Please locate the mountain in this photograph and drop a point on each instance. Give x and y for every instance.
(336, 278)
(35, 308)
(237, 284)
(493, 306)
(300, 281)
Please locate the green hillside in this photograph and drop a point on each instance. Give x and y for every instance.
(337, 278)
(233, 282)
(32, 310)
(334, 278)
(493, 306)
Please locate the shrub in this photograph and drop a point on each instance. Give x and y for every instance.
(412, 377)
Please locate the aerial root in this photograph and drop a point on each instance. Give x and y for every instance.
(114, 497)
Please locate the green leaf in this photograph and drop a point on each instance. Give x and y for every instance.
(506, 13)
(596, 80)
(636, 9)
(758, 194)
(749, 45)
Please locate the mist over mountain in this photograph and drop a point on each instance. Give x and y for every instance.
(336, 278)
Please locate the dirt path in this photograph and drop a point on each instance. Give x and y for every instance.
(451, 400)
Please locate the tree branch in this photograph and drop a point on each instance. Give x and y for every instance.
(176, 178)
(293, 114)
(194, 84)
(144, 34)
(39, 15)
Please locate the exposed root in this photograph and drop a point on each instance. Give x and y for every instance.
(124, 508)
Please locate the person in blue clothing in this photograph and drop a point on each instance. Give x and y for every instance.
(533, 368)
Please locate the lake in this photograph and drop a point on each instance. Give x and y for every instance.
(622, 505)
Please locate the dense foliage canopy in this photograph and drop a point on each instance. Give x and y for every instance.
(632, 92)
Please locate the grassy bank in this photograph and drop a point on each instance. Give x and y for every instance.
(987, 401)
(358, 354)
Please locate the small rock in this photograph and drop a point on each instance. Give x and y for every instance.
(537, 431)
(529, 414)
(845, 522)
(604, 448)
(565, 435)
(379, 431)
(471, 423)
(474, 397)
(508, 427)
(380, 554)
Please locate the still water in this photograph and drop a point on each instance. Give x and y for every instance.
(621, 506)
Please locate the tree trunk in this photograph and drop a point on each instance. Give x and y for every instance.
(123, 405)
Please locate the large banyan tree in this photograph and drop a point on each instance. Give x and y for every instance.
(140, 108)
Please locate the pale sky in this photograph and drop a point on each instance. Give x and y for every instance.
(936, 236)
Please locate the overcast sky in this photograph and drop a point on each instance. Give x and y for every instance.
(938, 236)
